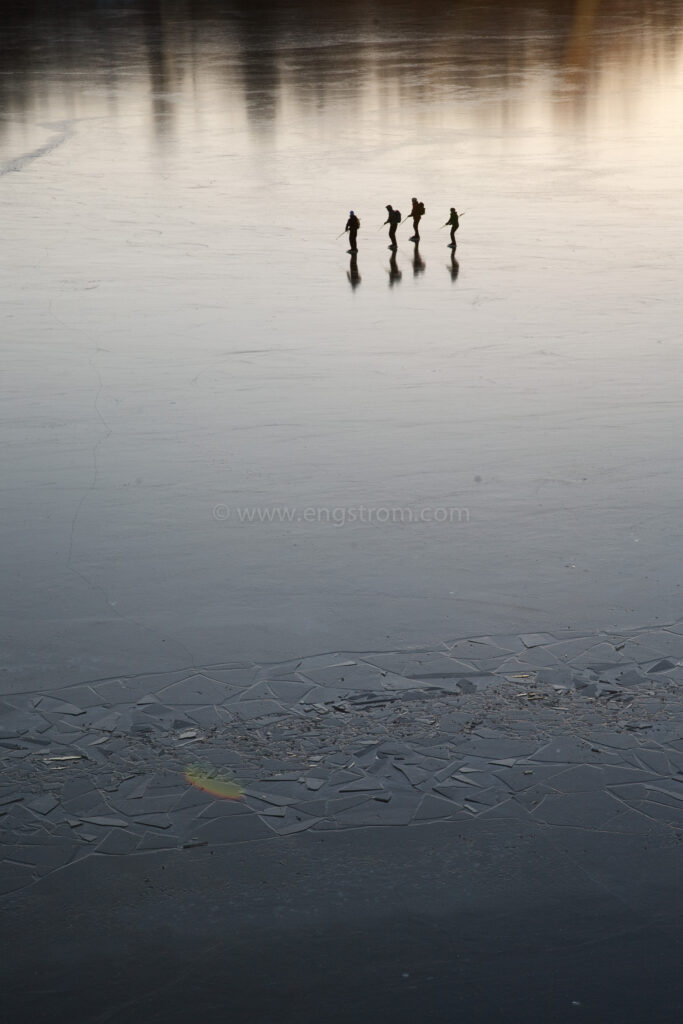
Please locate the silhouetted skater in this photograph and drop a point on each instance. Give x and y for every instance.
(393, 220)
(352, 273)
(418, 263)
(417, 212)
(352, 226)
(394, 273)
(454, 267)
(455, 224)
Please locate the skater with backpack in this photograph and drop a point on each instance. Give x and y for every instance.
(393, 220)
(417, 212)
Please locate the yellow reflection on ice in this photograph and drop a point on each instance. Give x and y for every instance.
(213, 781)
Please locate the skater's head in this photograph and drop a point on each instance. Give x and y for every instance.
(389, 207)
(452, 209)
(351, 213)
(413, 200)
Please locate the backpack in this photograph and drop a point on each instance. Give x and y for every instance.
(421, 208)
(397, 217)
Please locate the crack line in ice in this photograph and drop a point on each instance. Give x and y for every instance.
(20, 162)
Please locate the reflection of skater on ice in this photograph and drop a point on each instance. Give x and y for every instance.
(352, 273)
(418, 263)
(394, 273)
(454, 267)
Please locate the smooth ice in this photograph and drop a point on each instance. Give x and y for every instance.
(181, 338)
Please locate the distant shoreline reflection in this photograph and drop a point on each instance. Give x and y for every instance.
(546, 61)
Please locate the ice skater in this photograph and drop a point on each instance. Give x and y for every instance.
(417, 212)
(454, 222)
(393, 220)
(352, 225)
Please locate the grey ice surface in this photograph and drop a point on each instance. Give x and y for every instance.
(181, 343)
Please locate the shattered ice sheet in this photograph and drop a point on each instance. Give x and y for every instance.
(573, 733)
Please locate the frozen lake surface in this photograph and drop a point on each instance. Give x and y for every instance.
(257, 497)
(183, 339)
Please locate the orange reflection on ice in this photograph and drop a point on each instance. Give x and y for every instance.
(213, 781)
